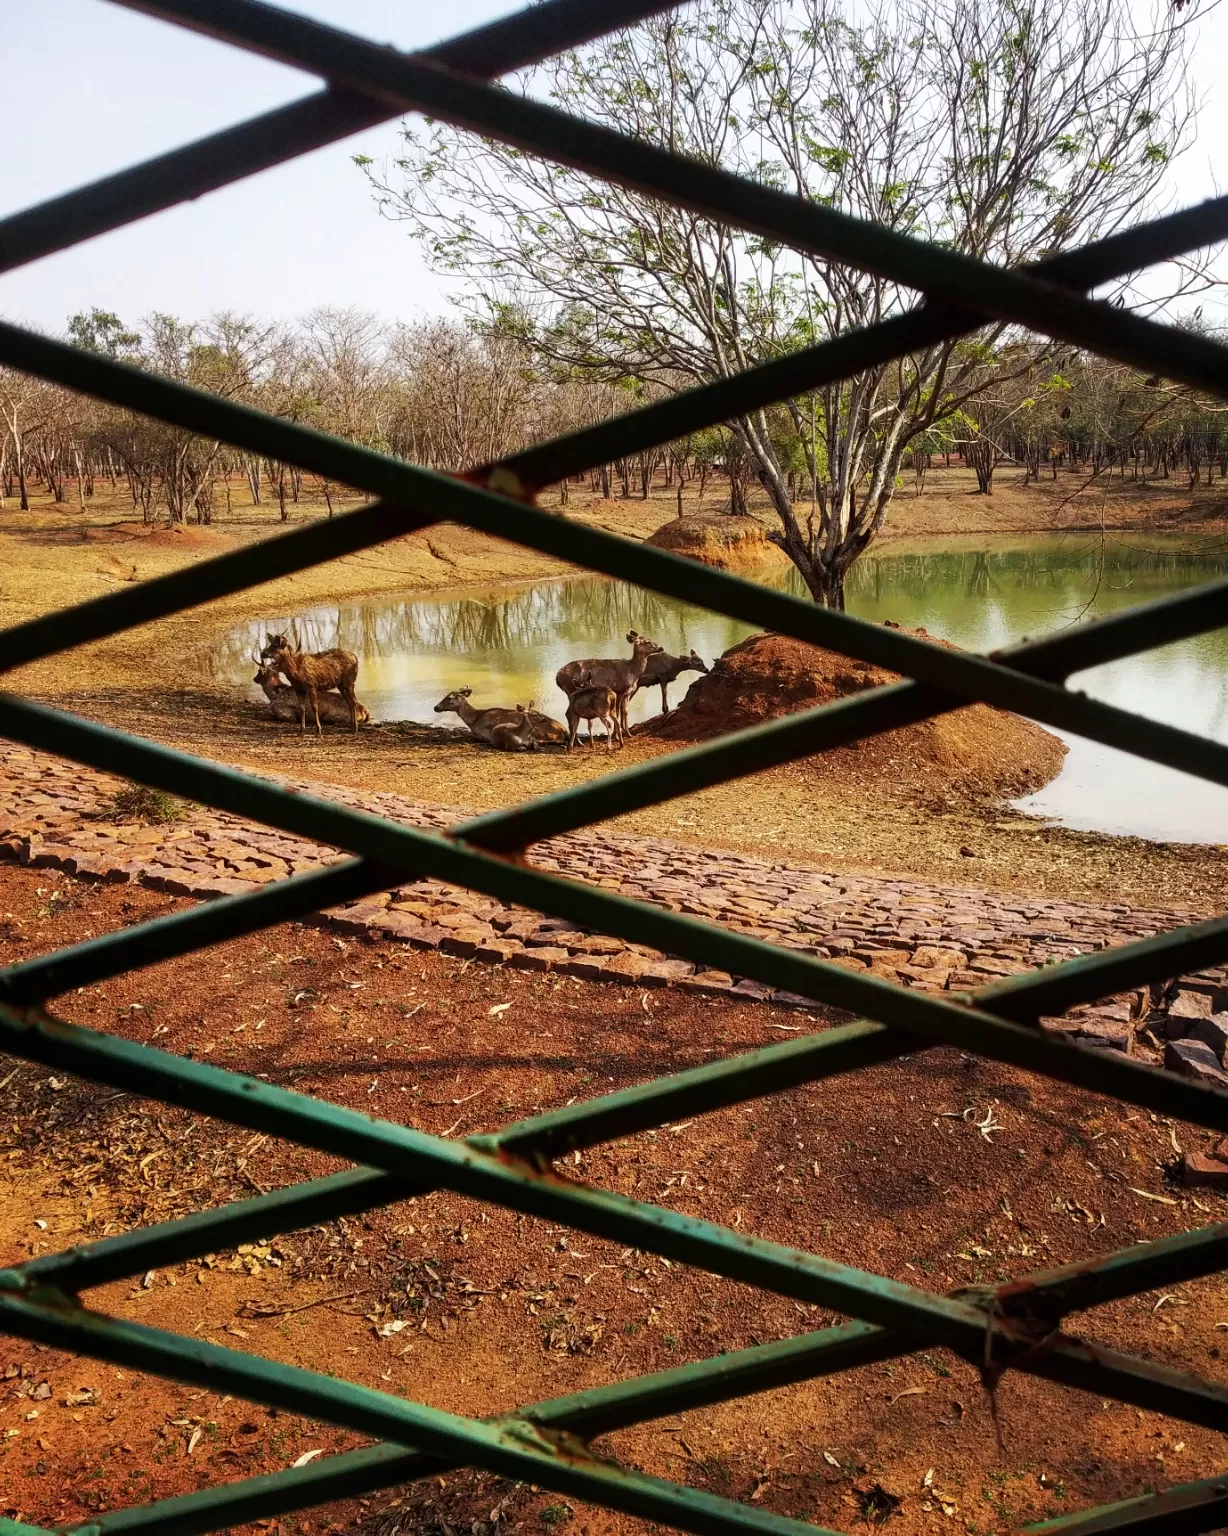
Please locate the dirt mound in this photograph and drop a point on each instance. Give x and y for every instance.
(978, 749)
(178, 536)
(720, 540)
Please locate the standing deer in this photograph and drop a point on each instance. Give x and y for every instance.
(620, 676)
(509, 729)
(592, 701)
(283, 701)
(663, 669)
(313, 674)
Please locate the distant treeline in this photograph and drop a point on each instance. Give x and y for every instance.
(447, 396)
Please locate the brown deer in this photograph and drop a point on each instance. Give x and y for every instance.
(593, 701)
(621, 676)
(548, 731)
(663, 669)
(283, 701)
(511, 730)
(312, 674)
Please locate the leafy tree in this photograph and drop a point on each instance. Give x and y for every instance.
(1007, 132)
(101, 330)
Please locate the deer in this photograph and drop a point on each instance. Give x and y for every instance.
(511, 730)
(284, 702)
(311, 674)
(548, 731)
(593, 701)
(663, 669)
(620, 676)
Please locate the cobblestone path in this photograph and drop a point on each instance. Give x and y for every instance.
(927, 936)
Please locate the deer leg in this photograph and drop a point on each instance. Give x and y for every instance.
(315, 710)
(665, 698)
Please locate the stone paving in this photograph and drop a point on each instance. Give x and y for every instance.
(923, 936)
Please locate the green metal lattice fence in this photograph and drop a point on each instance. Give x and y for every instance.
(1018, 1326)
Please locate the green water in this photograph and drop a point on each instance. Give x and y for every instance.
(508, 643)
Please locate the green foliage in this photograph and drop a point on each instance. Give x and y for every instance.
(138, 802)
(103, 332)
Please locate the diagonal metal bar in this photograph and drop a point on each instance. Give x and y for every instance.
(938, 1019)
(1111, 1276)
(180, 933)
(957, 1324)
(663, 421)
(221, 576)
(224, 1226)
(719, 1084)
(1088, 977)
(226, 574)
(916, 1314)
(514, 1447)
(511, 43)
(148, 943)
(595, 1412)
(1186, 1510)
(418, 84)
(680, 1389)
(959, 672)
(701, 1090)
(1002, 1320)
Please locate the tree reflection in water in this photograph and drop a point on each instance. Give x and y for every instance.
(508, 643)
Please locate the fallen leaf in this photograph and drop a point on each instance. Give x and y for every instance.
(306, 1457)
(1163, 1199)
(194, 1439)
(497, 1009)
(907, 1392)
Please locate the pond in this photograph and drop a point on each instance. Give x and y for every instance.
(508, 643)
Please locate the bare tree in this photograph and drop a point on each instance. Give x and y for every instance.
(18, 394)
(1007, 132)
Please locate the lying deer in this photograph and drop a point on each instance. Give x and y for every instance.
(593, 701)
(663, 669)
(509, 729)
(313, 674)
(548, 731)
(283, 701)
(622, 677)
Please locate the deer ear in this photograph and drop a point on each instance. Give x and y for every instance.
(464, 692)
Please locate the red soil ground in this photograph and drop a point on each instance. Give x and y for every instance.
(979, 750)
(891, 1173)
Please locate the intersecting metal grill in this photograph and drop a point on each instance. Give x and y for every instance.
(1017, 1326)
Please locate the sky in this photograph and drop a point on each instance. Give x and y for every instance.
(96, 87)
